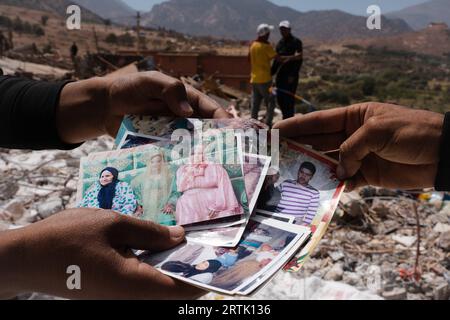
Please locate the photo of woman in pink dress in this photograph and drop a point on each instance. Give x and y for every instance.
(206, 192)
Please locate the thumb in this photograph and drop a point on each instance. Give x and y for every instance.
(146, 235)
(357, 147)
(175, 96)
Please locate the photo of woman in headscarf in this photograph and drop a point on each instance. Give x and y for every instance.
(204, 192)
(110, 193)
(153, 189)
(202, 272)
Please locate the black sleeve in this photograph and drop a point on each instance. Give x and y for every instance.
(299, 46)
(28, 114)
(443, 175)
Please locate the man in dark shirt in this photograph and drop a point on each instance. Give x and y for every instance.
(287, 73)
(73, 51)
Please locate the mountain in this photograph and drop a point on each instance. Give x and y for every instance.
(238, 19)
(433, 40)
(108, 9)
(419, 16)
(57, 7)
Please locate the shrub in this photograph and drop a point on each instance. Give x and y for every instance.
(333, 96)
(111, 38)
(44, 20)
(368, 86)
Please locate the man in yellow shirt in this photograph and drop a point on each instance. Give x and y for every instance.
(261, 55)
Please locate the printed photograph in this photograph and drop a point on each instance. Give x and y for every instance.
(226, 270)
(146, 183)
(304, 186)
(132, 140)
(255, 169)
(164, 127)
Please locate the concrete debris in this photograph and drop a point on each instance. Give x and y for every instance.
(335, 273)
(35, 70)
(36, 185)
(290, 286)
(404, 240)
(444, 241)
(376, 232)
(336, 255)
(441, 228)
(396, 294)
(442, 292)
(13, 211)
(50, 207)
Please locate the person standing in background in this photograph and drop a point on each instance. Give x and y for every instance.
(261, 55)
(287, 71)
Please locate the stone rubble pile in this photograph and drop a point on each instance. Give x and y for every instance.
(372, 244)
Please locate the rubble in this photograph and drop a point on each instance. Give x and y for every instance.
(36, 185)
(372, 249)
(335, 273)
(32, 70)
(396, 294)
(444, 241)
(405, 240)
(50, 206)
(372, 246)
(376, 231)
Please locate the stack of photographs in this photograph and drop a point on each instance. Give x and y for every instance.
(148, 183)
(266, 246)
(245, 220)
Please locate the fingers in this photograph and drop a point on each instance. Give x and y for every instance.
(148, 283)
(150, 93)
(145, 235)
(320, 122)
(378, 172)
(370, 138)
(323, 142)
(152, 107)
(173, 93)
(204, 106)
(154, 93)
(339, 120)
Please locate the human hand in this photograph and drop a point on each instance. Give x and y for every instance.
(95, 107)
(380, 144)
(100, 243)
(282, 59)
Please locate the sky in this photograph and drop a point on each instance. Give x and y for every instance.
(357, 7)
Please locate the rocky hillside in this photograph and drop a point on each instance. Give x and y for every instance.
(108, 9)
(433, 40)
(419, 16)
(57, 7)
(238, 19)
